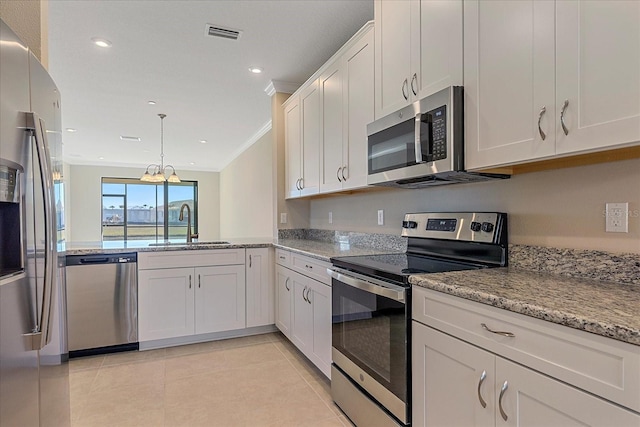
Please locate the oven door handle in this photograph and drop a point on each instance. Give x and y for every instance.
(369, 286)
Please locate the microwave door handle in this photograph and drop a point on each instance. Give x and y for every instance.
(418, 141)
(37, 126)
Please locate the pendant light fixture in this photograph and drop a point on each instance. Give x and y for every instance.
(159, 170)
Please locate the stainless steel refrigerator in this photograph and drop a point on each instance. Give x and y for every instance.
(34, 373)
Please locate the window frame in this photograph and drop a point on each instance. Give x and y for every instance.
(165, 196)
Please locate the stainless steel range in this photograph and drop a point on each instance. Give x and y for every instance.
(371, 309)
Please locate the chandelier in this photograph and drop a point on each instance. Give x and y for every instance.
(158, 170)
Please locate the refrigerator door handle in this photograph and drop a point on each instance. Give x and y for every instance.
(37, 127)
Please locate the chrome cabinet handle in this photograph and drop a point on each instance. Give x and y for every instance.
(482, 378)
(286, 284)
(503, 333)
(249, 261)
(502, 390)
(405, 87)
(301, 183)
(298, 184)
(308, 299)
(414, 79)
(199, 284)
(189, 281)
(343, 177)
(338, 174)
(564, 108)
(303, 291)
(542, 111)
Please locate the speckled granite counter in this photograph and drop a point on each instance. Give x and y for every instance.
(325, 250)
(88, 248)
(604, 308)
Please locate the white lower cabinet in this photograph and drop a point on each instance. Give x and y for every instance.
(182, 299)
(458, 384)
(260, 289)
(303, 311)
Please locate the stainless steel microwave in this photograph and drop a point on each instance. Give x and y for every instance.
(422, 144)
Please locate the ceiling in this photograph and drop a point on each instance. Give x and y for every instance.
(160, 53)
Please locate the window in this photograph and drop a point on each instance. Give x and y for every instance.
(135, 210)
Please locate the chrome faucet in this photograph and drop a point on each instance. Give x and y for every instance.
(190, 236)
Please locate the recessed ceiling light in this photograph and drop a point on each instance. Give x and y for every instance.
(101, 42)
(130, 138)
(192, 163)
(256, 70)
(71, 130)
(151, 102)
(203, 141)
(100, 158)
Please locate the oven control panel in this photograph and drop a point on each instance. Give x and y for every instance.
(483, 227)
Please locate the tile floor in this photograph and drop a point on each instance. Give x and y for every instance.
(261, 380)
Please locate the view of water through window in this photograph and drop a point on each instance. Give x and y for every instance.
(134, 210)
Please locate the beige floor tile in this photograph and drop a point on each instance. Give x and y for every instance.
(329, 422)
(82, 363)
(241, 357)
(246, 341)
(322, 388)
(194, 364)
(303, 407)
(202, 347)
(130, 375)
(345, 421)
(221, 413)
(287, 349)
(133, 357)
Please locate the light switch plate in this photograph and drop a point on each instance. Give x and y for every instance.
(617, 218)
(380, 217)
(283, 218)
(330, 217)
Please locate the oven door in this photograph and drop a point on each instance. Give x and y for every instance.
(370, 337)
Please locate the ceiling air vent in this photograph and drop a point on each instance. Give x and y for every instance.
(218, 31)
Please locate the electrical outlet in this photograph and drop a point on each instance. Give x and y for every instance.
(330, 217)
(617, 220)
(283, 218)
(380, 217)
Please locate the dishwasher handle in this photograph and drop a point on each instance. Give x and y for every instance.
(98, 259)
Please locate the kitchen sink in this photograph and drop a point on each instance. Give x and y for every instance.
(217, 242)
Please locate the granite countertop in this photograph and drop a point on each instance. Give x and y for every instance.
(604, 308)
(326, 250)
(106, 247)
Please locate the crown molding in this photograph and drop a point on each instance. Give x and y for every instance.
(280, 86)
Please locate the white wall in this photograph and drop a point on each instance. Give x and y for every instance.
(247, 193)
(559, 208)
(84, 189)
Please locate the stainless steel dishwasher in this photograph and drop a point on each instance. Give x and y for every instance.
(102, 303)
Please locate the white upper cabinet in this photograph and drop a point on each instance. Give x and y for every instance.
(310, 113)
(545, 79)
(346, 90)
(293, 147)
(418, 50)
(598, 73)
(508, 80)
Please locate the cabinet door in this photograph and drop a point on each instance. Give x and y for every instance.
(302, 315)
(310, 112)
(260, 289)
(331, 84)
(293, 147)
(440, 46)
(220, 298)
(509, 69)
(447, 381)
(533, 399)
(284, 300)
(597, 69)
(319, 300)
(165, 303)
(393, 55)
(358, 78)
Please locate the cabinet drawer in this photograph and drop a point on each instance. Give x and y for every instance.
(600, 365)
(311, 267)
(283, 257)
(190, 258)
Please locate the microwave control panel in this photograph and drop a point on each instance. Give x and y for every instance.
(437, 142)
